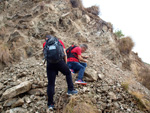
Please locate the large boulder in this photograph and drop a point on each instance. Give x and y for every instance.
(16, 90)
(90, 75)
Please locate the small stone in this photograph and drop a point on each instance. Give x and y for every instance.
(34, 86)
(19, 102)
(112, 96)
(27, 100)
(86, 18)
(116, 105)
(9, 102)
(101, 76)
(36, 92)
(1, 86)
(94, 100)
(23, 74)
(86, 89)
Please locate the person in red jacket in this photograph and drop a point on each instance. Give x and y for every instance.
(52, 71)
(76, 62)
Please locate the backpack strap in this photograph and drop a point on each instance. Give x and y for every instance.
(71, 55)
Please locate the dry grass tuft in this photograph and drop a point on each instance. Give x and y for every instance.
(94, 10)
(74, 106)
(138, 97)
(144, 74)
(70, 106)
(125, 86)
(5, 56)
(84, 108)
(125, 45)
(76, 4)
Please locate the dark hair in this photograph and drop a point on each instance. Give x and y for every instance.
(84, 45)
(48, 36)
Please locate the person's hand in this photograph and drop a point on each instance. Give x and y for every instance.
(86, 57)
(86, 61)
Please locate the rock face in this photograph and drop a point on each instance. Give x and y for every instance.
(16, 90)
(23, 85)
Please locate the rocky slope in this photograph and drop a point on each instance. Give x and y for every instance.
(23, 82)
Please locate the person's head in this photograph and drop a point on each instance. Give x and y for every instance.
(47, 37)
(84, 47)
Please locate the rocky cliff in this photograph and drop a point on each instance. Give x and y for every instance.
(113, 85)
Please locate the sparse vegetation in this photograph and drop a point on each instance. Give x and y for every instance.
(74, 106)
(125, 86)
(94, 10)
(125, 45)
(138, 97)
(70, 106)
(145, 76)
(119, 33)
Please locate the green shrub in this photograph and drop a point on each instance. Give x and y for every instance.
(125, 86)
(119, 33)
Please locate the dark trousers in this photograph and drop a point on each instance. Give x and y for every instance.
(52, 71)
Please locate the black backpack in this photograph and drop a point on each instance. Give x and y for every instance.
(53, 50)
(69, 54)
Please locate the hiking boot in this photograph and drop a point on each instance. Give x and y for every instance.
(72, 92)
(80, 82)
(51, 107)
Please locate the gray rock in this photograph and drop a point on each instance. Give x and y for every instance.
(86, 18)
(1, 86)
(23, 74)
(116, 105)
(91, 75)
(112, 96)
(36, 92)
(101, 76)
(16, 90)
(17, 110)
(27, 100)
(18, 103)
(9, 102)
(105, 88)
